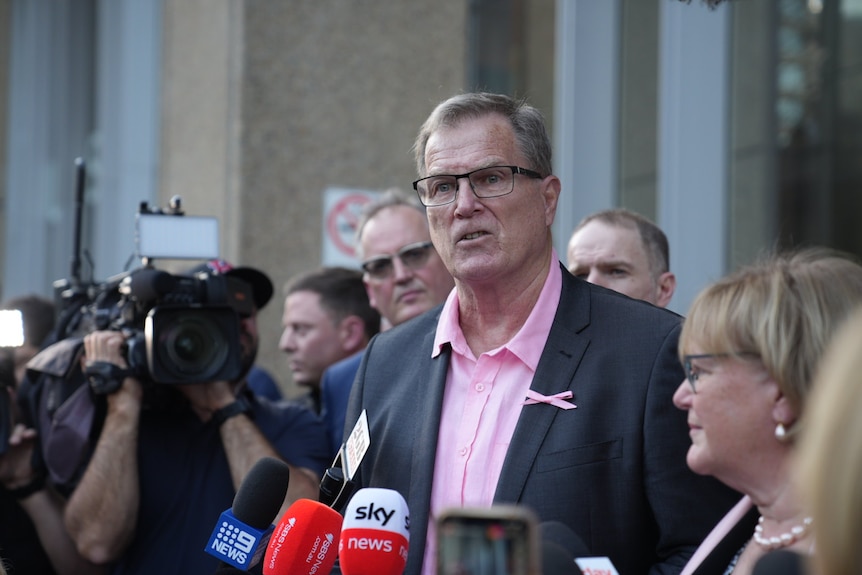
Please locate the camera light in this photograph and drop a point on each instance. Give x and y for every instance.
(11, 328)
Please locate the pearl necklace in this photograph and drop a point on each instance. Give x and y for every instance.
(796, 533)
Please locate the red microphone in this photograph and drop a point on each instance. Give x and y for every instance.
(376, 533)
(303, 543)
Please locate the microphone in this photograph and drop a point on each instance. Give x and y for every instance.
(557, 536)
(241, 533)
(335, 488)
(304, 540)
(148, 284)
(559, 547)
(375, 536)
(780, 562)
(556, 560)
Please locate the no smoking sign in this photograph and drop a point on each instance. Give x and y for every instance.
(341, 211)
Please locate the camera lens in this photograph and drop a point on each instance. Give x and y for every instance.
(194, 346)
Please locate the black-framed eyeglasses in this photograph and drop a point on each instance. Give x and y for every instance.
(692, 376)
(413, 256)
(489, 182)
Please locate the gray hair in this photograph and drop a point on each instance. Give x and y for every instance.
(527, 124)
(389, 198)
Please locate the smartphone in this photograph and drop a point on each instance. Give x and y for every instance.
(496, 540)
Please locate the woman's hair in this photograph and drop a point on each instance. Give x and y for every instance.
(783, 309)
(830, 454)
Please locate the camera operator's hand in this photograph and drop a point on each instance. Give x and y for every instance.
(107, 346)
(207, 398)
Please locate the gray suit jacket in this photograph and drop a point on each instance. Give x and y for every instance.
(613, 469)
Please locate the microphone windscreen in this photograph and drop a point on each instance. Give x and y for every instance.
(148, 284)
(304, 541)
(261, 493)
(375, 535)
(556, 560)
(561, 534)
(780, 562)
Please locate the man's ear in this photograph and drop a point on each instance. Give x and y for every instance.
(351, 332)
(665, 287)
(551, 187)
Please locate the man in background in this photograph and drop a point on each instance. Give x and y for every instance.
(404, 277)
(327, 317)
(623, 251)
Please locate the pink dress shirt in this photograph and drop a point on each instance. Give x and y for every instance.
(481, 405)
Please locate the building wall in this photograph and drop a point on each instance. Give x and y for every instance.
(4, 105)
(267, 104)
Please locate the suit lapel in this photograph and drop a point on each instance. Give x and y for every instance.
(428, 409)
(555, 373)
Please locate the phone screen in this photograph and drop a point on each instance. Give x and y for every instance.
(484, 546)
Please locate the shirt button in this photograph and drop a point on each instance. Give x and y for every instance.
(480, 387)
(462, 451)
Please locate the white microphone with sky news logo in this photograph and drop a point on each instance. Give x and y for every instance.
(375, 535)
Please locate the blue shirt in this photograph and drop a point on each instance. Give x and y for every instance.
(262, 383)
(335, 389)
(185, 482)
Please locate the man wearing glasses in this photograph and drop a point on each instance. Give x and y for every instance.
(529, 386)
(404, 278)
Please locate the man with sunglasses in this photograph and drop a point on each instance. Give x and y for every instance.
(404, 277)
(528, 386)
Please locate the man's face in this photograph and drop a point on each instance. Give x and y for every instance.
(405, 291)
(311, 338)
(613, 257)
(492, 241)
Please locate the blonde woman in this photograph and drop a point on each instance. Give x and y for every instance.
(750, 346)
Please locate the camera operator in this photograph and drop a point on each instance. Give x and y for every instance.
(170, 458)
(33, 539)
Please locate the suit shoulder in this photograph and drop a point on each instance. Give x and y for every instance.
(606, 300)
(411, 329)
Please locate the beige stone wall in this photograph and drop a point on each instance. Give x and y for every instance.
(267, 104)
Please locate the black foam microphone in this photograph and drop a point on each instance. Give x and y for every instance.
(242, 532)
(561, 534)
(559, 547)
(335, 489)
(556, 560)
(780, 562)
(148, 284)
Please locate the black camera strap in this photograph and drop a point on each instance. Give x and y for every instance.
(104, 377)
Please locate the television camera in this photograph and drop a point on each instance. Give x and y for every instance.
(179, 328)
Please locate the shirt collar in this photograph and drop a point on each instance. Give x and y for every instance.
(522, 345)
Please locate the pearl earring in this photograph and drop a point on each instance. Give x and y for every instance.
(780, 432)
